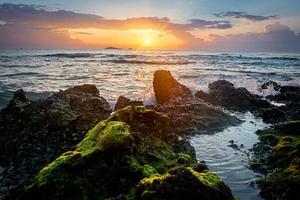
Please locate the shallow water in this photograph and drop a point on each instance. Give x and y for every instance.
(130, 73)
(230, 163)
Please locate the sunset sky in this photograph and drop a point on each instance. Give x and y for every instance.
(223, 25)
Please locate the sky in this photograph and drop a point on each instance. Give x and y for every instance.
(217, 25)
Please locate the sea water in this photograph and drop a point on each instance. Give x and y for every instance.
(130, 73)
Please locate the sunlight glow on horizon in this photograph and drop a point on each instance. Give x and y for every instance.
(134, 38)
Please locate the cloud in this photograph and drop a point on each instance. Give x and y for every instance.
(244, 15)
(276, 37)
(38, 16)
(210, 24)
(36, 27)
(26, 16)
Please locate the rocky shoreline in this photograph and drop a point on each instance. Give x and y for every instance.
(72, 146)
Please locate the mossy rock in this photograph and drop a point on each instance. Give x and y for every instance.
(112, 159)
(283, 159)
(183, 183)
(284, 184)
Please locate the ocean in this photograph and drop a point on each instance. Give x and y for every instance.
(130, 73)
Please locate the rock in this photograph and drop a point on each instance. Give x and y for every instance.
(183, 183)
(272, 115)
(133, 146)
(279, 155)
(187, 112)
(123, 102)
(223, 93)
(193, 117)
(273, 84)
(28, 128)
(166, 88)
(289, 97)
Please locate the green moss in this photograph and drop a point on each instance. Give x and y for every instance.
(283, 159)
(184, 158)
(149, 171)
(183, 183)
(207, 177)
(114, 135)
(285, 182)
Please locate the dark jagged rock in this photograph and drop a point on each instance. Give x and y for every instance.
(125, 152)
(166, 88)
(223, 93)
(32, 133)
(278, 155)
(188, 114)
(123, 102)
(290, 97)
(272, 115)
(273, 84)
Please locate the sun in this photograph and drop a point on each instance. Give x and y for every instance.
(147, 42)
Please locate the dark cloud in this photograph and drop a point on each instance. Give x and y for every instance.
(210, 24)
(244, 15)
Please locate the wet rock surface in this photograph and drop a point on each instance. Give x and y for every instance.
(134, 154)
(278, 156)
(223, 93)
(289, 96)
(188, 114)
(166, 88)
(193, 116)
(33, 133)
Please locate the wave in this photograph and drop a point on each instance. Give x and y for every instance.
(29, 74)
(71, 55)
(283, 58)
(124, 61)
(240, 71)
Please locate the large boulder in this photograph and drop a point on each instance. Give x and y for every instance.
(166, 88)
(134, 144)
(32, 133)
(223, 93)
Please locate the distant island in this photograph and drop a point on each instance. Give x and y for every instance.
(114, 48)
(117, 48)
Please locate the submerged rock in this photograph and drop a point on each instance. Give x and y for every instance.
(123, 102)
(278, 154)
(166, 88)
(223, 93)
(32, 133)
(118, 158)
